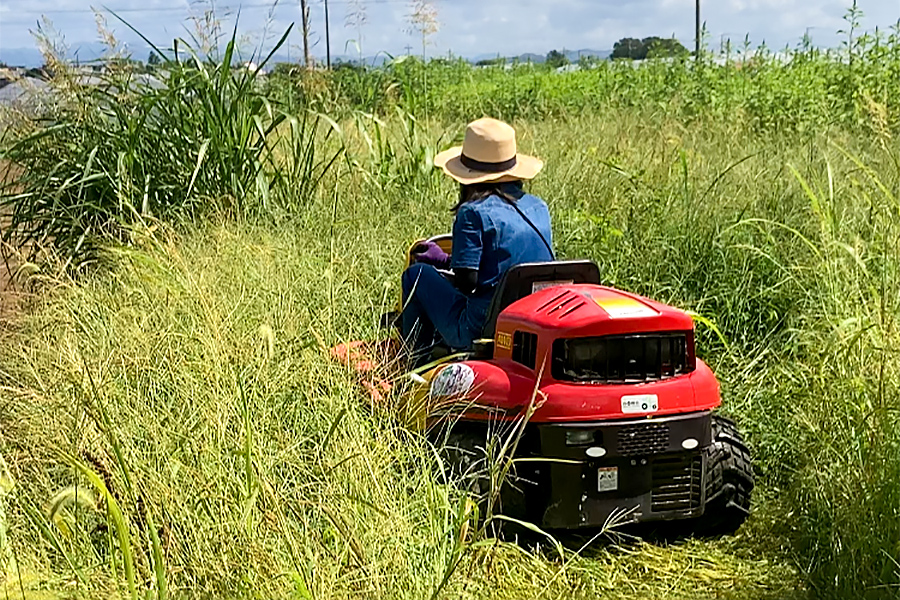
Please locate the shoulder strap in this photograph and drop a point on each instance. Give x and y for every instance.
(515, 205)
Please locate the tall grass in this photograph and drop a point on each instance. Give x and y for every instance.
(800, 89)
(262, 470)
(173, 423)
(122, 147)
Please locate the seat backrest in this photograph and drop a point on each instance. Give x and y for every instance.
(522, 280)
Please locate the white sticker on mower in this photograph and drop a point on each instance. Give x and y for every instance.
(641, 403)
(453, 380)
(543, 285)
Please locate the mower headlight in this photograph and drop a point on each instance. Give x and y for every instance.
(579, 437)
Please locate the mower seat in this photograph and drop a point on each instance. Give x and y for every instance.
(522, 280)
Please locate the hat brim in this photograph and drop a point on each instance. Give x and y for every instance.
(526, 167)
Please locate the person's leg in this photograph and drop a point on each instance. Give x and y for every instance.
(416, 327)
(432, 303)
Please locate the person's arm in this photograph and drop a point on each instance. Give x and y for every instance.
(467, 245)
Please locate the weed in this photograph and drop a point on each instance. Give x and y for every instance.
(241, 461)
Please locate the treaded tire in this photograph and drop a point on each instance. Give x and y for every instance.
(465, 454)
(729, 480)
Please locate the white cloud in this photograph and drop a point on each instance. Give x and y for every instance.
(471, 27)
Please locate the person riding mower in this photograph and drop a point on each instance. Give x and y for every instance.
(497, 226)
(592, 399)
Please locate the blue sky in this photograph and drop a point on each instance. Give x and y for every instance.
(467, 27)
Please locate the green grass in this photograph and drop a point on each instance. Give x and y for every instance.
(800, 89)
(265, 473)
(173, 426)
(194, 136)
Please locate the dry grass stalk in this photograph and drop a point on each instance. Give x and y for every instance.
(423, 20)
(357, 17)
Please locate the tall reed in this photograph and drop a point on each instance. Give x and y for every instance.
(121, 147)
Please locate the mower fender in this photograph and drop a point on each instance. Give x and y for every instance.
(496, 390)
(706, 387)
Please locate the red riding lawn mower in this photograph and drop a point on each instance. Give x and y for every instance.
(599, 399)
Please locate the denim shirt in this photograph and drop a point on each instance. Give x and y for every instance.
(490, 235)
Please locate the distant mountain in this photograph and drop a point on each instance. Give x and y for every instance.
(576, 55)
(530, 57)
(573, 56)
(90, 51)
(21, 57)
(371, 61)
(82, 52)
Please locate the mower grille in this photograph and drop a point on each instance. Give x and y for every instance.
(677, 483)
(643, 439)
(623, 358)
(524, 348)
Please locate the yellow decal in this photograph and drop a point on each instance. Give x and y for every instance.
(621, 307)
(504, 340)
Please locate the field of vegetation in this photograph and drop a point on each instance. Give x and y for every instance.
(171, 425)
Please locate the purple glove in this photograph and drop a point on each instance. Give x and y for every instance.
(431, 254)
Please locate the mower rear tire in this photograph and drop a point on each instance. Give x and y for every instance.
(729, 480)
(467, 459)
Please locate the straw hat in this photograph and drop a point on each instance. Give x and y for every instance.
(488, 153)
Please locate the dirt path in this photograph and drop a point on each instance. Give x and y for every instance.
(7, 287)
(7, 292)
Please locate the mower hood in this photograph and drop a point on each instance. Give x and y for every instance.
(580, 310)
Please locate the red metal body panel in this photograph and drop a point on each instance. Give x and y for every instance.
(508, 387)
(576, 311)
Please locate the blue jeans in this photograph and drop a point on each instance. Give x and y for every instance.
(433, 307)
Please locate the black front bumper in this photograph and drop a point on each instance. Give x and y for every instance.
(657, 477)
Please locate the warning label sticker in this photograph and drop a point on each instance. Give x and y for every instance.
(607, 479)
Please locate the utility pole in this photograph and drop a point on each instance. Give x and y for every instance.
(327, 39)
(697, 33)
(304, 19)
(408, 49)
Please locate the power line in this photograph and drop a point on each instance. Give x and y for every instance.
(183, 7)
